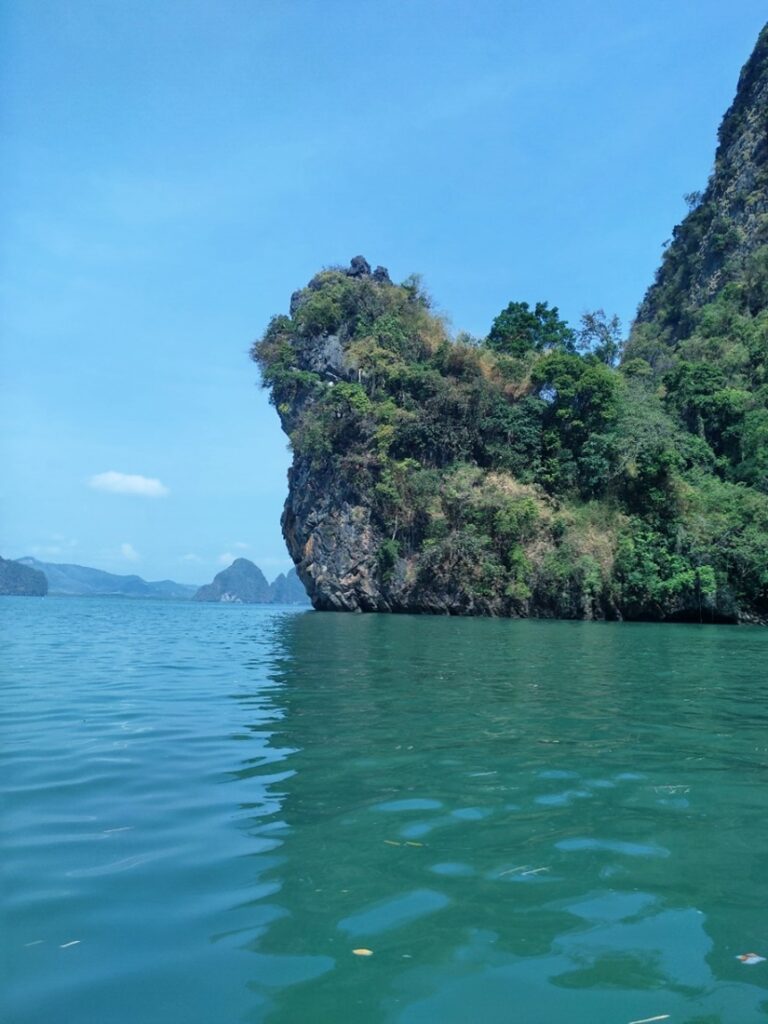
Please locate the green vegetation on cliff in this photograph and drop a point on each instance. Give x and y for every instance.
(702, 329)
(514, 472)
(540, 470)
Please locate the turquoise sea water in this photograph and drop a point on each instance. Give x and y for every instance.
(207, 808)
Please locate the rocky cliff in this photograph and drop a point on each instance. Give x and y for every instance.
(525, 473)
(244, 583)
(723, 238)
(240, 583)
(287, 588)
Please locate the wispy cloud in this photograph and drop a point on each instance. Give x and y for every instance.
(191, 557)
(128, 483)
(240, 545)
(226, 559)
(59, 546)
(129, 552)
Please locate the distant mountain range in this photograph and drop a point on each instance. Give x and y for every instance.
(82, 581)
(242, 583)
(245, 583)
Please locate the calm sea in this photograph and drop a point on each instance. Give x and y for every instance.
(206, 809)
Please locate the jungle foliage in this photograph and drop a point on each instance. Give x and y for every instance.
(528, 467)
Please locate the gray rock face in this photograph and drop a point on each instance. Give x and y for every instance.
(324, 355)
(336, 547)
(330, 538)
(359, 267)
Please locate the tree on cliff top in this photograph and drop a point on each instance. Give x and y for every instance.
(519, 329)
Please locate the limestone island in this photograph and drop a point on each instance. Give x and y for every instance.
(543, 470)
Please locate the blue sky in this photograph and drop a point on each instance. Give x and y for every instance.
(174, 169)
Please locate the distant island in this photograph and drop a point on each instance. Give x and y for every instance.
(543, 469)
(244, 583)
(20, 580)
(69, 580)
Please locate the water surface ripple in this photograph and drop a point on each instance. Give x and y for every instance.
(207, 808)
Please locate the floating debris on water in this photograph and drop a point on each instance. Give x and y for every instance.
(363, 952)
(750, 958)
(66, 945)
(647, 1020)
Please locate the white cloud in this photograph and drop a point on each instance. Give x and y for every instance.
(129, 552)
(226, 559)
(128, 483)
(191, 558)
(241, 545)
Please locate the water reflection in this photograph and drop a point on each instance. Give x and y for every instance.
(533, 821)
